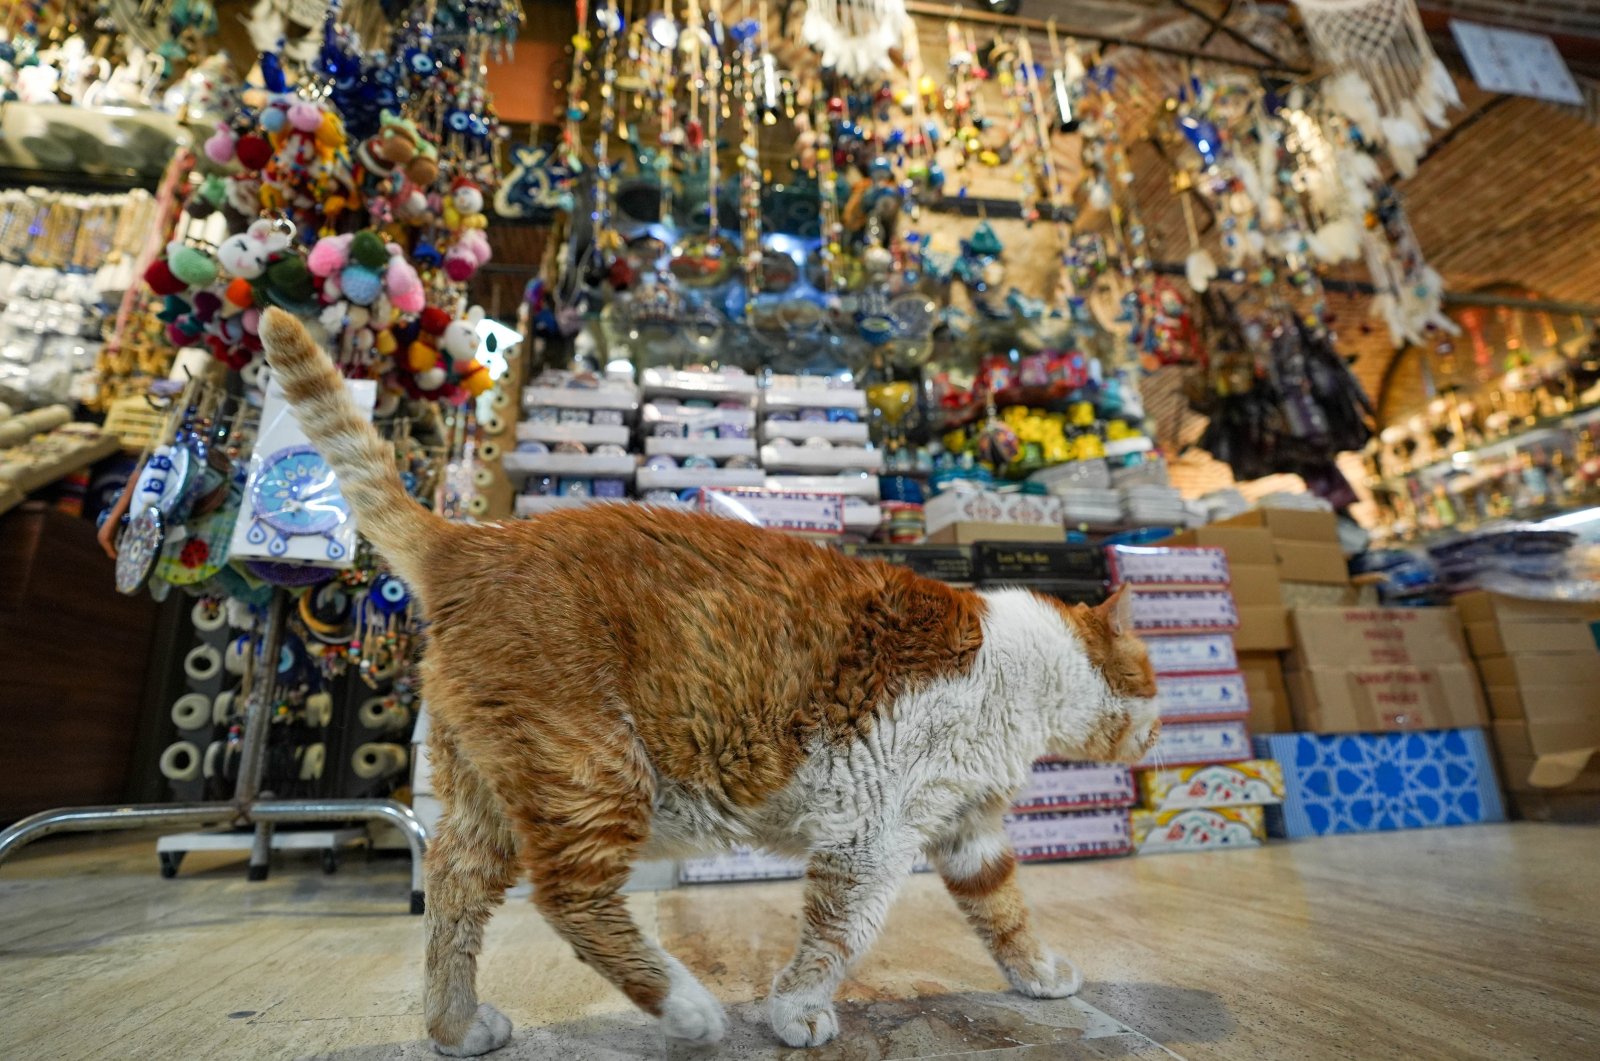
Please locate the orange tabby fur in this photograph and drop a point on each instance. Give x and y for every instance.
(586, 669)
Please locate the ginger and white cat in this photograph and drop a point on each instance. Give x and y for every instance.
(620, 682)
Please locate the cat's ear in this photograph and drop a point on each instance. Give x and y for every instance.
(1117, 611)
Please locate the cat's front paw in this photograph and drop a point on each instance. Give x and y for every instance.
(690, 1012)
(1047, 977)
(490, 1030)
(800, 1021)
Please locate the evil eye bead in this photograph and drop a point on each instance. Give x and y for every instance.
(421, 64)
(458, 121)
(388, 594)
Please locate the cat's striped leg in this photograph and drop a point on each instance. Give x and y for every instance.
(849, 887)
(980, 872)
(470, 863)
(581, 831)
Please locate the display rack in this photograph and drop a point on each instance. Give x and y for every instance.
(247, 808)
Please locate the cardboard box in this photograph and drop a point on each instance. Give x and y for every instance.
(1320, 595)
(1377, 699)
(1198, 743)
(1192, 567)
(1157, 832)
(947, 563)
(1006, 562)
(1512, 638)
(967, 532)
(1542, 701)
(1070, 834)
(1262, 628)
(1268, 691)
(1157, 611)
(1366, 782)
(1289, 524)
(1192, 654)
(1572, 668)
(1319, 562)
(1481, 606)
(1243, 545)
(1549, 752)
(1255, 782)
(1361, 637)
(1054, 785)
(1256, 585)
(987, 506)
(1201, 697)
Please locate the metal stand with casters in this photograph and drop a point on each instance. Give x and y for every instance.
(247, 807)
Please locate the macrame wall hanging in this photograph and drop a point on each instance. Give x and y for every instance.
(1387, 79)
(855, 37)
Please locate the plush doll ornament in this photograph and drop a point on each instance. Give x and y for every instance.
(247, 253)
(219, 146)
(469, 253)
(402, 284)
(464, 208)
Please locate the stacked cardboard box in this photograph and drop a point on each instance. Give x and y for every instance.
(1281, 559)
(1540, 665)
(1389, 716)
(1196, 794)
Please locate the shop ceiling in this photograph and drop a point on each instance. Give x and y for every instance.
(1505, 198)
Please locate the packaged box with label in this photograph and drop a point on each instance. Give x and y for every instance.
(1352, 637)
(1159, 611)
(1242, 545)
(1369, 699)
(1010, 562)
(1192, 654)
(1069, 834)
(1366, 782)
(947, 563)
(1268, 692)
(987, 515)
(1056, 785)
(1199, 697)
(1195, 743)
(748, 863)
(1191, 566)
(1157, 832)
(1255, 782)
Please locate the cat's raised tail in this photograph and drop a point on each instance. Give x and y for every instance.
(401, 529)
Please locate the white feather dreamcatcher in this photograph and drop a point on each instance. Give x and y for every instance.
(855, 37)
(1387, 80)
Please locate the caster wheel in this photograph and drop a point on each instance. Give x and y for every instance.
(170, 861)
(330, 861)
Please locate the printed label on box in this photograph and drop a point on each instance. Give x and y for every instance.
(1187, 566)
(1192, 743)
(802, 513)
(1193, 697)
(1256, 782)
(1075, 786)
(1197, 829)
(1192, 653)
(1073, 834)
(1158, 611)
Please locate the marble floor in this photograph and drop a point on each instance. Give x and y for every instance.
(1476, 942)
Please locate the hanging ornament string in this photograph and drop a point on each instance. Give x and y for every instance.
(746, 35)
(828, 186)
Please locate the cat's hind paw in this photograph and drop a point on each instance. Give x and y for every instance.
(490, 1030)
(1047, 977)
(800, 1022)
(690, 1012)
